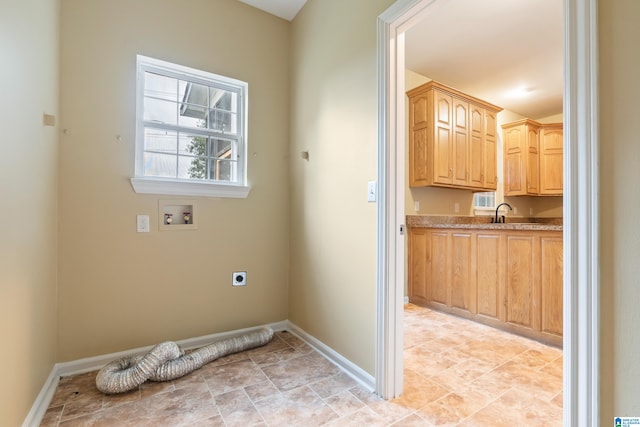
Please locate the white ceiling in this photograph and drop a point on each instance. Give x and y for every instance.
(507, 52)
(285, 9)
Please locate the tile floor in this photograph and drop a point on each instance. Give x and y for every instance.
(457, 373)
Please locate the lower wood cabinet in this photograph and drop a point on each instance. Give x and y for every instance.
(508, 279)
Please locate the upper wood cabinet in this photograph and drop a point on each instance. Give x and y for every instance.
(551, 160)
(532, 158)
(452, 139)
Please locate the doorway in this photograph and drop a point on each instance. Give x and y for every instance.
(580, 207)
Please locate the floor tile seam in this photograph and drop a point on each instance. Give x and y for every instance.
(252, 404)
(348, 390)
(213, 400)
(279, 392)
(485, 406)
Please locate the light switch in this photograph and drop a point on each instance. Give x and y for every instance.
(371, 191)
(143, 223)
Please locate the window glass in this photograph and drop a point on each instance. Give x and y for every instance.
(190, 124)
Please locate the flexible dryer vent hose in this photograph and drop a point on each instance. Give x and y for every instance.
(166, 361)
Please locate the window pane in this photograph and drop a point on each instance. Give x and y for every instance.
(160, 140)
(194, 94)
(223, 121)
(221, 99)
(160, 165)
(156, 110)
(193, 145)
(158, 86)
(222, 170)
(224, 148)
(193, 116)
(192, 167)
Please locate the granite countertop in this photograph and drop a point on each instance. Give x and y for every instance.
(484, 223)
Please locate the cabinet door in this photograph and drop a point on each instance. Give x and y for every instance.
(418, 137)
(443, 139)
(533, 161)
(418, 241)
(522, 275)
(551, 150)
(437, 278)
(462, 280)
(490, 172)
(460, 142)
(514, 171)
(477, 148)
(551, 284)
(489, 274)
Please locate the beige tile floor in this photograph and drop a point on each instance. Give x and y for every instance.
(457, 373)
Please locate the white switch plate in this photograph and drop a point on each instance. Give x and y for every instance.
(456, 207)
(371, 191)
(142, 222)
(416, 206)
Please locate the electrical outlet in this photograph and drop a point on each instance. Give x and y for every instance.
(239, 278)
(456, 207)
(416, 206)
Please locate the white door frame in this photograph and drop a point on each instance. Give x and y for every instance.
(581, 269)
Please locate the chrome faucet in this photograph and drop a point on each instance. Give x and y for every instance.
(500, 219)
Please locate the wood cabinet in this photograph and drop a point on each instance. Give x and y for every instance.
(532, 158)
(452, 139)
(509, 279)
(551, 160)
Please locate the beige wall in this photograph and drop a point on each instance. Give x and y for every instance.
(442, 201)
(333, 228)
(120, 289)
(28, 192)
(619, 207)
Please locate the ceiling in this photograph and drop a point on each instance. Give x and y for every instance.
(285, 9)
(506, 52)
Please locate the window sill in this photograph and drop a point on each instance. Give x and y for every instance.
(169, 187)
(482, 211)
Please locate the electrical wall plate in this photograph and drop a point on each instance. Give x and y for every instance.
(239, 278)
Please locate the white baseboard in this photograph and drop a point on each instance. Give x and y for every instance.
(39, 407)
(81, 366)
(358, 374)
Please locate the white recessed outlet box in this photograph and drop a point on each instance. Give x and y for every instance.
(239, 278)
(176, 215)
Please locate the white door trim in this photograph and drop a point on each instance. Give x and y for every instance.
(581, 271)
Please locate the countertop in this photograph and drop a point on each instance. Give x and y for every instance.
(484, 223)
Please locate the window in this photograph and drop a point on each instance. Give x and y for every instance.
(190, 132)
(486, 200)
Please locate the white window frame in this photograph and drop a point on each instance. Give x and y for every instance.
(485, 210)
(186, 187)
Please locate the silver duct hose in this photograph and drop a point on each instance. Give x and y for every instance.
(166, 361)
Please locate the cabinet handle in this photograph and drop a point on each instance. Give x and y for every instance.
(450, 171)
